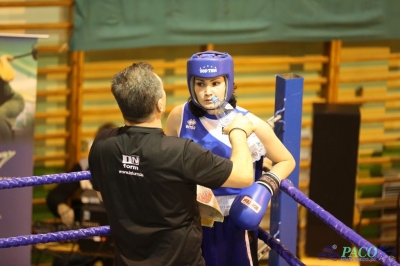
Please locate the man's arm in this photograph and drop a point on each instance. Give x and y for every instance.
(242, 174)
(92, 159)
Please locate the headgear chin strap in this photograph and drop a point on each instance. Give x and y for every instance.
(210, 64)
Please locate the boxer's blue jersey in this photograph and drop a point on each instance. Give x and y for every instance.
(225, 244)
(207, 132)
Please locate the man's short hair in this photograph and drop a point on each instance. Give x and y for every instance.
(137, 90)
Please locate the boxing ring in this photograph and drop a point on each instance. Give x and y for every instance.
(284, 206)
(286, 186)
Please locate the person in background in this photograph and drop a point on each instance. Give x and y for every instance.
(148, 180)
(11, 102)
(209, 74)
(64, 201)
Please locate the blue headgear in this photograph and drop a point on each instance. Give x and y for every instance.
(210, 64)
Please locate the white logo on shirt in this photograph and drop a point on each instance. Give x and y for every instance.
(129, 161)
(191, 124)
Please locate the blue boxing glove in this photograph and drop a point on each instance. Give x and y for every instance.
(250, 204)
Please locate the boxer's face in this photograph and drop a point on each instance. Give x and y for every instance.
(206, 88)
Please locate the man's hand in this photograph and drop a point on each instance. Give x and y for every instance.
(67, 214)
(240, 122)
(6, 71)
(242, 174)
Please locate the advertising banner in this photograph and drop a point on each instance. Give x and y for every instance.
(18, 70)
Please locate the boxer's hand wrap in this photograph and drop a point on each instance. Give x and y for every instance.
(269, 180)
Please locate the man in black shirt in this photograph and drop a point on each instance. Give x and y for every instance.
(148, 180)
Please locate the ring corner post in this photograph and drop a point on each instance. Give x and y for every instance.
(284, 210)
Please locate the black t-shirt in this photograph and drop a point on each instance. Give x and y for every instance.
(148, 184)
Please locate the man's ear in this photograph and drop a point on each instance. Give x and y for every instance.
(160, 106)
